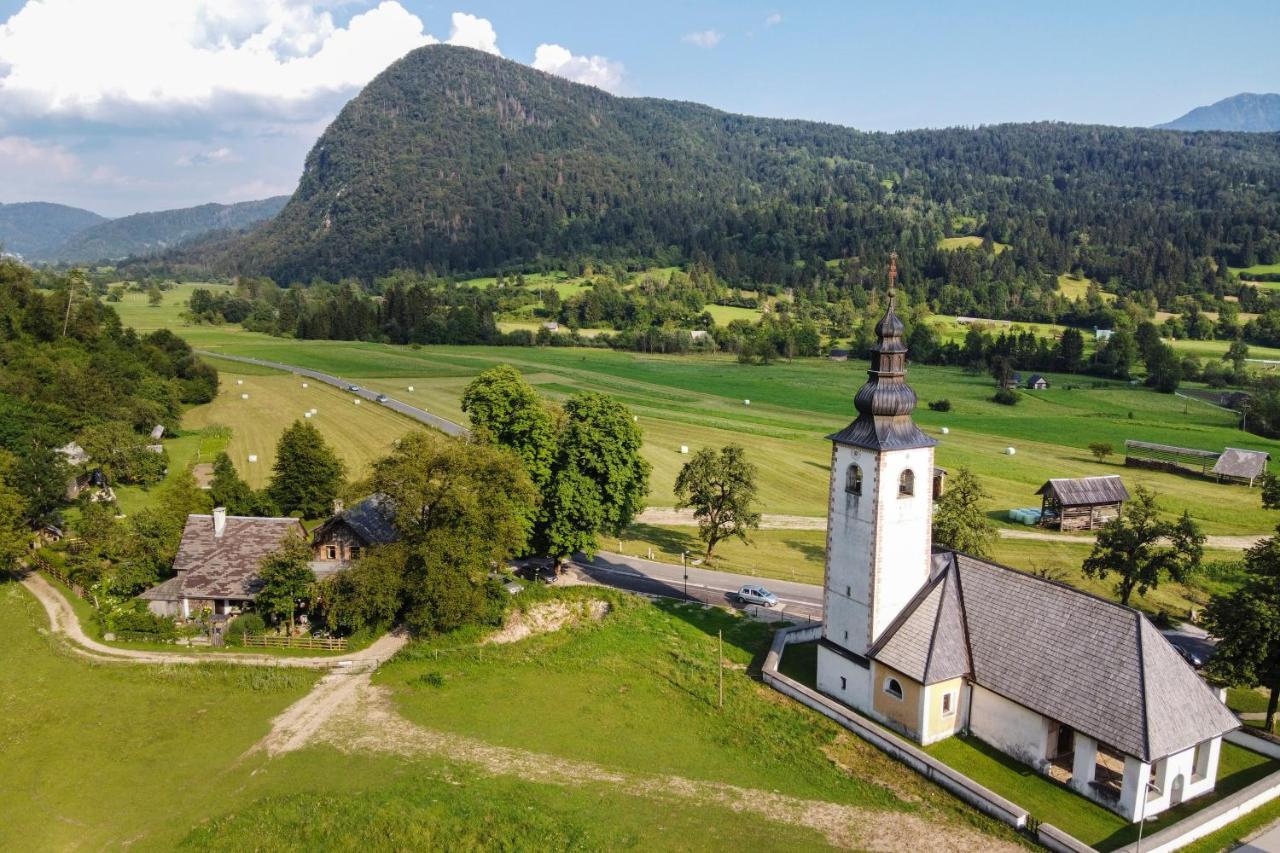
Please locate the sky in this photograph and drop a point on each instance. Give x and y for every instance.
(122, 106)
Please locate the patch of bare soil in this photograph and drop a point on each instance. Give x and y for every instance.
(352, 715)
(203, 472)
(547, 616)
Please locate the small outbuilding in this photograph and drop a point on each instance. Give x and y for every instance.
(1242, 466)
(839, 354)
(1081, 503)
(1037, 382)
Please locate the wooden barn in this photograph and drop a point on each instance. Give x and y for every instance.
(1241, 466)
(1082, 503)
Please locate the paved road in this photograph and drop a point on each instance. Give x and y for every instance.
(420, 415)
(1266, 841)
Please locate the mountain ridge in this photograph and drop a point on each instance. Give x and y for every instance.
(30, 227)
(1246, 112)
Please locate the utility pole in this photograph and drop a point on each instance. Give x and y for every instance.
(720, 663)
(684, 561)
(71, 292)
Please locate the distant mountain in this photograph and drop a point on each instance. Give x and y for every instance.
(150, 233)
(1243, 112)
(31, 227)
(456, 161)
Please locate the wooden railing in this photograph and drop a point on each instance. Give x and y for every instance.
(323, 643)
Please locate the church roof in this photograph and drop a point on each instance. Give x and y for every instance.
(1096, 666)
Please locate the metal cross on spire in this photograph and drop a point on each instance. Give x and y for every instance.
(893, 273)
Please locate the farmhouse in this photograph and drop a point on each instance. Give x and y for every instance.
(217, 563)
(1082, 503)
(350, 532)
(934, 642)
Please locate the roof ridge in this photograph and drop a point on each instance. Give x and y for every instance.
(1142, 687)
(1050, 582)
(953, 568)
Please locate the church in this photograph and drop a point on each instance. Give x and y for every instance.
(933, 642)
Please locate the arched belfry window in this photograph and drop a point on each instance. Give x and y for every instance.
(893, 688)
(907, 484)
(853, 480)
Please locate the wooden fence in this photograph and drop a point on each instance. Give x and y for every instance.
(324, 643)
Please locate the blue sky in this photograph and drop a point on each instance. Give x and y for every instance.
(144, 104)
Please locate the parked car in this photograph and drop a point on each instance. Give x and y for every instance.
(381, 398)
(353, 387)
(757, 595)
(1188, 655)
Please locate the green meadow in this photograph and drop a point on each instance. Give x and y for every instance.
(969, 242)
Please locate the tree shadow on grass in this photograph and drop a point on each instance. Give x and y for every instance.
(811, 550)
(664, 538)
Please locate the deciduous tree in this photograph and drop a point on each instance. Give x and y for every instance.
(959, 518)
(1246, 623)
(720, 487)
(1143, 549)
(506, 410)
(287, 579)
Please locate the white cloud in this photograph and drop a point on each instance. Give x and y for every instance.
(470, 31)
(208, 158)
(88, 59)
(773, 20)
(591, 70)
(21, 154)
(703, 38)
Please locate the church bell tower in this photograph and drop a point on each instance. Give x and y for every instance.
(879, 516)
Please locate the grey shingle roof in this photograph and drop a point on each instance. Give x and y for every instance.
(372, 520)
(1085, 491)
(928, 641)
(1247, 464)
(1101, 668)
(226, 566)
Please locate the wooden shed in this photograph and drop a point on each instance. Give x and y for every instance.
(1082, 503)
(1241, 466)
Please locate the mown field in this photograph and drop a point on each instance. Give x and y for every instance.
(150, 758)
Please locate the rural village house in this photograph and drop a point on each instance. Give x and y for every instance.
(217, 563)
(1082, 503)
(934, 643)
(351, 532)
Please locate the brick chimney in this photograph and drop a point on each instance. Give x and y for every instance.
(338, 506)
(219, 521)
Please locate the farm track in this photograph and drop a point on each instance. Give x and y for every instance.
(63, 622)
(684, 517)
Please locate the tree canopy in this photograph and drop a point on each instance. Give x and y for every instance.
(307, 474)
(960, 518)
(1143, 549)
(720, 487)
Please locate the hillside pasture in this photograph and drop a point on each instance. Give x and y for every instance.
(726, 314)
(135, 311)
(950, 244)
(1077, 287)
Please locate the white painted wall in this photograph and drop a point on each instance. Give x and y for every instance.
(1008, 726)
(878, 544)
(854, 691)
(1167, 773)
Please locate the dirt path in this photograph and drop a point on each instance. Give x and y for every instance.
(684, 517)
(63, 621)
(349, 713)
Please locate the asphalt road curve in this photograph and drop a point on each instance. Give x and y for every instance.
(420, 415)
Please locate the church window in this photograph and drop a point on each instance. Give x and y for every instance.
(948, 704)
(844, 684)
(907, 484)
(853, 480)
(893, 688)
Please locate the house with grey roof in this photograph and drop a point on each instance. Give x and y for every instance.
(934, 643)
(217, 563)
(351, 532)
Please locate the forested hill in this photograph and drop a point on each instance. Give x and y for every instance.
(148, 233)
(453, 160)
(1244, 112)
(31, 227)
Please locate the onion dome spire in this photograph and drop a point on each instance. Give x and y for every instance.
(886, 401)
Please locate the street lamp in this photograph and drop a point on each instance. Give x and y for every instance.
(684, 561)
(1142, 808)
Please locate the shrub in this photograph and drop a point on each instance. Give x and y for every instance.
(1005, 397)
(246, 624)
(139, 623)
(943, 405)
(1101, 450)
(430, 679)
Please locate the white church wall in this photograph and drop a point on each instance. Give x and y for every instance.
(850, 544)
(1177, 779)
(903, 547)
(844, 680)
(1008, 726)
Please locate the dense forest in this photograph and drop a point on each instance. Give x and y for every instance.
(70, 372)
(453, 160)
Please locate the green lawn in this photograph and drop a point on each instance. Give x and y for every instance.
(726, 314)
(190, 447)
(1076, 287)
(1054, 803)
(1257, 269)
(135, 312)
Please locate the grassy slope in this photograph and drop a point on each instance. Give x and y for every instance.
(95, 755)
(970, 242)
(135, 312)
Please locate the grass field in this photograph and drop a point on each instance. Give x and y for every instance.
(103, 757)
(726, 314)
(698, 402)
(972, 242)
(1076, 287)
(1257, 269)
(359, 434)
(135, 312)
